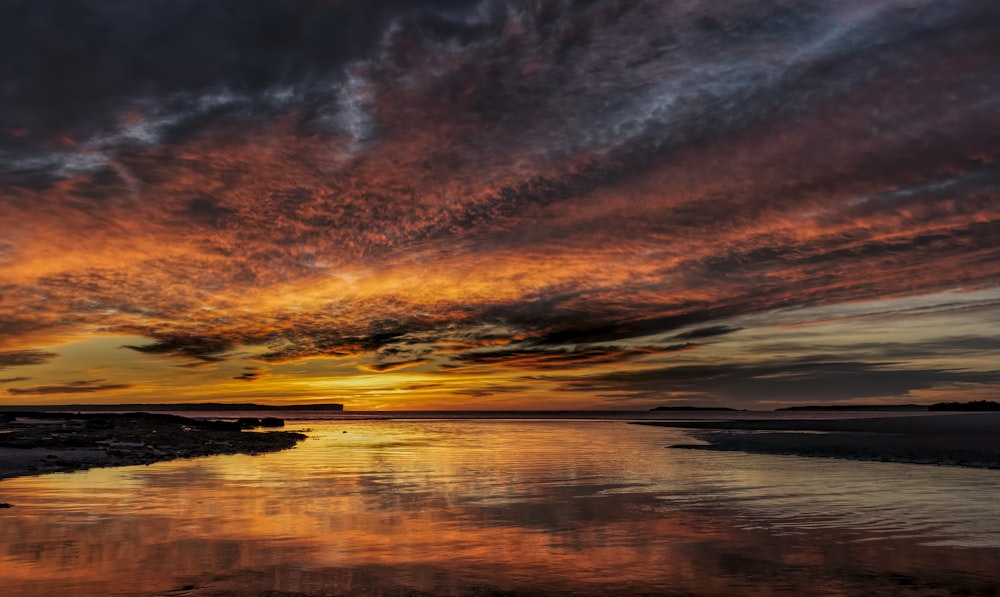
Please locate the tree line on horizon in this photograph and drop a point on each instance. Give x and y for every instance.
(976, 405)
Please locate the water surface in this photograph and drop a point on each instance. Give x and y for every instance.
(459, 507)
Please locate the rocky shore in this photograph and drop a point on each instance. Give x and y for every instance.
(33, 443)
(971, 440)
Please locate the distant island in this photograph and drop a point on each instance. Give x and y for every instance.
(685, 408)
(976, 406)
(878, 407)
(191, 406)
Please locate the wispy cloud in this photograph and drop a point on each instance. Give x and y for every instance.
(20, 358)
(197, 349)
(75, 387)
(802, 380)
(13, 379)
(251, 374)
(394, 365)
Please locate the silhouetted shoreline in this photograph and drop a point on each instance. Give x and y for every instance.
(691, 408)
(857, 407)
(973, 406)
(34, 443)
(971, 440)
(178, 407)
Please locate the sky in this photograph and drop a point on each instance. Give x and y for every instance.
(531, 204)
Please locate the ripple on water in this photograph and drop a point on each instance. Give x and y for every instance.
(441, 506)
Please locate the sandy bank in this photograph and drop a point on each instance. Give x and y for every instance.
(37, 443)
(967, 439)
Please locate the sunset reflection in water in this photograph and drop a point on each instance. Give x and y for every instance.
(460, 507)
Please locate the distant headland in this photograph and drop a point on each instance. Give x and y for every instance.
(687, 408)
(977, 405)
(180, 407)
(876, 407)
(974, 406)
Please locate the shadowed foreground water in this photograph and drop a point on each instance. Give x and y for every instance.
(484, 507)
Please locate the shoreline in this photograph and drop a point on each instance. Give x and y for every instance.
(959, 439)
(38, 443)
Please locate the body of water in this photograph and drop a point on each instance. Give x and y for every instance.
(533, 506)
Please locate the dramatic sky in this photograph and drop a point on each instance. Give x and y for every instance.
(607, 204)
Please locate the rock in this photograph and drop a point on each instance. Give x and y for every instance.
(221, 425)
(272, 422)
(248, 422)
(99, 423)
(5, 505)
(137, 439)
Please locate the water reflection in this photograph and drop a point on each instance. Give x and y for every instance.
(470, 507)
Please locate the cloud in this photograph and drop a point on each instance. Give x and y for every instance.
(485, 391)
(251, 374)
(20, 358)
(198, 349)
(393, 365)
(707, 332)
(499, 185)
(272, 59)
(13, 379)
(803, 380)
(76, 387)
(550, 358)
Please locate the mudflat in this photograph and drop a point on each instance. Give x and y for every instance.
(965, 439)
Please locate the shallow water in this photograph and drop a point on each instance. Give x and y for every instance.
(484, 506)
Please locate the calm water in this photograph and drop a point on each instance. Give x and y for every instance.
(477, 507)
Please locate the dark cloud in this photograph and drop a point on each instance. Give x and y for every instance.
(945, 347)
(18, 358)
(201, 349)
(206, 211)
(804, 380)
(707, 332)
(414, 387)
(549, 358)
(251, 374)
(394, 365)
(76, 387)
(486, 391)
(609, 325)
(81, 67)
(13, 379)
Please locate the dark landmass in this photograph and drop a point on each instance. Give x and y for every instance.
(690, 408)
(976, 406)
(848, 407)
(42, 442)
(192, 406)
(956, 439)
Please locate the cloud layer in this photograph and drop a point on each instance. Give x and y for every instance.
(497, 189)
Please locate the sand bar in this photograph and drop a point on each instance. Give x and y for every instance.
(966, 439)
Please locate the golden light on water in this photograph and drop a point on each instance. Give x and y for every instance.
(447, 506)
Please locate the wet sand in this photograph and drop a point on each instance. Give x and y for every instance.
(39, 443)
(966, 439)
